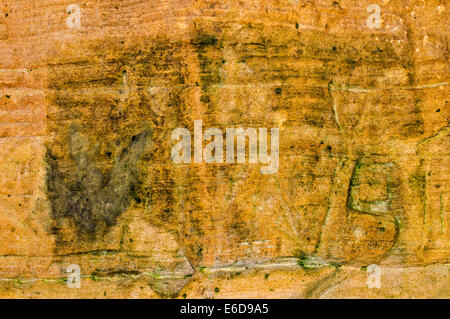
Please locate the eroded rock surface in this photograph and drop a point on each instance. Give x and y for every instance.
(87, 178)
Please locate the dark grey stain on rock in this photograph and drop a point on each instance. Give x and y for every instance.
(92, 199)
(103, 103)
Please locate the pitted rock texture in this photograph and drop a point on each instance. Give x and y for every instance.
(85, 137)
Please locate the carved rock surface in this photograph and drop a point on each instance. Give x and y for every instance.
(86, 177)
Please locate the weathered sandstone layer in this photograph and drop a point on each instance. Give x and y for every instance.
(86, 176)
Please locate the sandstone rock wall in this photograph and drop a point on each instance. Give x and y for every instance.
(86, 175)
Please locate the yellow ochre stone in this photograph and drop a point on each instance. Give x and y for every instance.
(91, 91)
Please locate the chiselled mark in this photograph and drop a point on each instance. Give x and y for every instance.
(320, 288)
(331, 210)
(424, 203)
(349, 200)
(396, 223)
(441, 200)
(419, 87)
(330, 194)
(441, 132)
(348, 88)
(84, 195)
(352, 206)
(343, 213)
(333, 102)
(124, 91)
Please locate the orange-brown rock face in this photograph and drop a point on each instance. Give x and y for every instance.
(91, 91)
